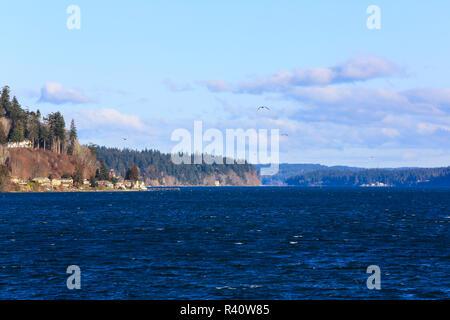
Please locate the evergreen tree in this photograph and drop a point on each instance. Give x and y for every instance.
(133, 173)
(17, 132)
(5, 101)
(60, 132)
(57, 131)
(103, 172)
(15, 112)
(93, 183)
(78, 176)
(32, 129)
(73, 138)
(44, 136)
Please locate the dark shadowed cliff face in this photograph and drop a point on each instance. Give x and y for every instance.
(27, 164)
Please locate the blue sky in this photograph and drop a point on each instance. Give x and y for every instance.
(343, 93)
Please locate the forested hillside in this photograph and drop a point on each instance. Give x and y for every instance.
(288, 170)
(18, 124)
(158, 168)
(420, 177)
(33, 145)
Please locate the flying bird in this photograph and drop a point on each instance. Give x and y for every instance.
(284, 135)
(124, 138)
(263, 107)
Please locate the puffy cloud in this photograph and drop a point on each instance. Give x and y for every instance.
(216, 85)
(109, 118)
(355, 70)
(55, 93)
(356, 99)
(430, 128)
(365, 68)
(435, 96)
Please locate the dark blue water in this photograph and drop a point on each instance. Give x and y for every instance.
(226, 243)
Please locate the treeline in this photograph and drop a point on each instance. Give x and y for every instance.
(392, 177)
(155, 165)
(18, 124)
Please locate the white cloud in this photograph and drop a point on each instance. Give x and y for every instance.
(435, 96)
(430, 128)
(109, 118)
(365, 68)
(55, 93)
(355, 70)
(216, 85)
(375, 99)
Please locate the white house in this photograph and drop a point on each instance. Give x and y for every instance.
(24, 144)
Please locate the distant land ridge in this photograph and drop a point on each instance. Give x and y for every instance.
(343, 176)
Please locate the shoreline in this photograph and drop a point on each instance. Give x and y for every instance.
(178, 188)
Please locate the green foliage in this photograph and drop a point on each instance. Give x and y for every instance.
(5, 101)
(73, 138)
(114, 180)
(103, 172)
(47, 134)
(57, 131)
(17, 133)
(32, 129)
(78, 176)
(33, 186)
(133, 173)
(93, 183)
(393, 177)
(15, 112)
(156, 165)
(44, 137)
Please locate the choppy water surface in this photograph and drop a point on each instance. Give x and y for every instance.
(226, 243)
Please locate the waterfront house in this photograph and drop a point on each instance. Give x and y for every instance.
(45, 182)
(56, 182)
(66, 183)
(106, 183)
(19, 181)
(139, 185)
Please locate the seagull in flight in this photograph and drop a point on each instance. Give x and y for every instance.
(284, 135)
(263, 107)
(124, 139)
